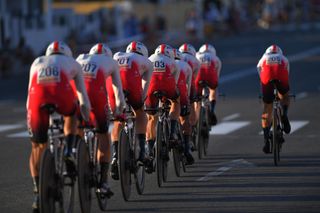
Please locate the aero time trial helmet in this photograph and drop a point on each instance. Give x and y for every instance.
(101, 48)
(207, 48)
(177, 54)
(188, 48)
(273, 49)
(58, 47)
(137, 47)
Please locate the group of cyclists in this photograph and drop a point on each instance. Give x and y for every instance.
(96, 83)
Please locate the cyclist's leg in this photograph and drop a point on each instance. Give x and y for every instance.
(266, 118)
(212, 99)
(152, 117)
(141, 127)
(117, 126)
(38, 122)
(174, 118)
(285, 103)
(186, 130)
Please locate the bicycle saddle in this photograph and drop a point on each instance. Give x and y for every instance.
(51, 108)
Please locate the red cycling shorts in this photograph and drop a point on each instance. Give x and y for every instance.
(162, 83)
(208, 74)
(60, 94)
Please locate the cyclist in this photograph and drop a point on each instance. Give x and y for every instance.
(135, 72)
(164, 78)
(184, 84)
(188, 55)
(49, 83)
(96, 67)
(274, 66)
(210, 67)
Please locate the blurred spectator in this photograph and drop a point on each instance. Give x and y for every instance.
(6, 59)
(131, 26)
(24, 52)
(192, 24)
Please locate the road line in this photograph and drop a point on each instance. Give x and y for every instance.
(253, 70)
(228, 127)
(24, 134)
(231, 117)
(7, 127)
(295, 126)
(238, 163)
(301, 95)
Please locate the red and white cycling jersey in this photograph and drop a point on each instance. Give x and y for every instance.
(96, 68)
(135, 73)
(273, 67)
(195, 66)
(210, 67)
(164, 78)
(49, 83)
(184, 81)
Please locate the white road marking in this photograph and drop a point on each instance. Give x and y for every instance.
(295, 125)
(227, 166)
(228, 127)
(7, 127)
(231, 117)
(253, 70)
(301, 95)
(24, 134)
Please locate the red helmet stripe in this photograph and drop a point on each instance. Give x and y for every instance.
(162, 48)
(99, 48)
(185, 47)
(274, 48)
(206, 47)
(55, 46)
(134, 46)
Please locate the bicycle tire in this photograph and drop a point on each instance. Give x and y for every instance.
(67, 197)
(124, 165)
(139, 174)
(47, 183)
(165, 149)
(84, 177)
(275, 138)
(176, 161)
(200, 136)
(159, 161)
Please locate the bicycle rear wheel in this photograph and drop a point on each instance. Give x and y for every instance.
(84, 177)
(165, 152)
(139, 173)
(159, 161)
(67, 193)
(200, 139)
(275, 138)
(124, 164)
(47, 183)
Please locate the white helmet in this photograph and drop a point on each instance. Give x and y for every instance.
(165, 50)
(207, 48)
(273, 49)
(137, 47)
(177, 54)
(101, 49)
(187, 48)
(58, 47)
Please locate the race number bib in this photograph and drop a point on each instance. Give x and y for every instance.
(205, 60)
(124, 62)
(273, 60)
(49, 74)
(159, 66)
(89, 70)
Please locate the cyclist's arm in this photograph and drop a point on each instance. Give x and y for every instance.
(85, 105)
(31, 73)
(219, 66)
(146, 77)
(117, 86)
(176, 71)
(189, 78)
(287, 63)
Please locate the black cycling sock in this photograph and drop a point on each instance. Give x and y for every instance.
(186, 143)
(173, 126)
(266, 132)
(285, 110)
(151, 143)
(70, 139)
(142, 142)
(35, 181)
(212, 105)
(104, 166)
(115, 149)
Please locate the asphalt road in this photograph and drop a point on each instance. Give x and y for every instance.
(235, 176)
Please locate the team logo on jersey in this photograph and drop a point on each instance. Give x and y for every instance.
(50, 74)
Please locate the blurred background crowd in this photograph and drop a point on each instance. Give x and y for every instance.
(27, 26)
